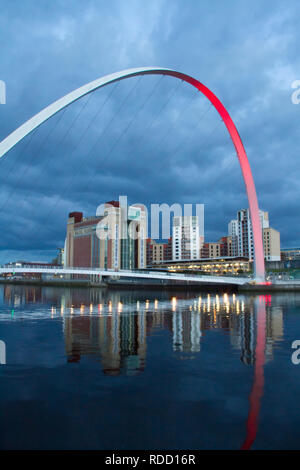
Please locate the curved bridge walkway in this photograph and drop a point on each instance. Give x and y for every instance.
(130, 274)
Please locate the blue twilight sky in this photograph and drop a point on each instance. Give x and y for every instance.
(153, 139)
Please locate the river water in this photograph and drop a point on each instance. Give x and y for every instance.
(107, 369)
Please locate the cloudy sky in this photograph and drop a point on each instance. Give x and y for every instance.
(154, 139)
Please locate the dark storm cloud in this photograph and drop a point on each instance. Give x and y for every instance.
(155, 147)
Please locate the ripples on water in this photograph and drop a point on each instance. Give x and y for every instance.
(106, 369)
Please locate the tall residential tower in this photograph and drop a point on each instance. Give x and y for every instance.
(186, 241)
(240, 231)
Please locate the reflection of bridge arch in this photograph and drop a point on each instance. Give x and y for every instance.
(53, 108)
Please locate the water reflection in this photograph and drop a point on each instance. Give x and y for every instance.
(114, 328)
(119, 341)
(258, 379)
(186, 330)
(114, 325)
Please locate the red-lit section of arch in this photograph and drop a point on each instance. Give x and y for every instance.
(246, 172)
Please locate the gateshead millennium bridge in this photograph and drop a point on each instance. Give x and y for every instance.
(52, 109)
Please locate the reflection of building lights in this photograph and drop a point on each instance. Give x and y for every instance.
(110, 306)
(208, 302)
(147, 304)
(155, 303)
(138, 305)
(233, 298)
(243, 306)
(99, 308)
(237, 306)
(72, 310)
(91, 308)
(81, 309)
(217, 303)
(120, 306)
(174, 302)
(62, 310)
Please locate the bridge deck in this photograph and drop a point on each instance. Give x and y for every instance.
(133, 274)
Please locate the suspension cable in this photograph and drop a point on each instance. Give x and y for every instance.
(106, 128)
(102, 133)
(48, 159)
(31, 160)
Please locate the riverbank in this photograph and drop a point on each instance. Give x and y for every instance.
(53, 283)
(126, 284)
(159, 284)
(269, 288)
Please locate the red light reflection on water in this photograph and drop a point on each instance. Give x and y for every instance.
(258, 382)
(266, 298)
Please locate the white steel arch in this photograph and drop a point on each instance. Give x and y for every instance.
(12, 139)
